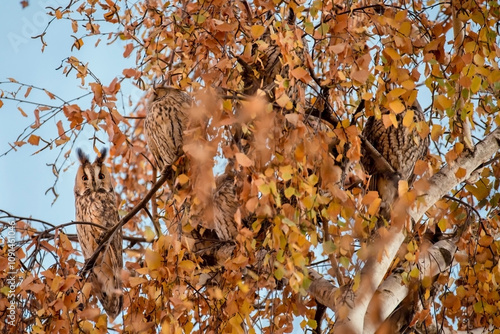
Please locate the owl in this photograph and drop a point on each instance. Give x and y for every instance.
(268, 62)
(165, 122)
(95, 202)
(225, 200)
(400, 146)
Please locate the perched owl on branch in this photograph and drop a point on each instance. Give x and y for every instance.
(390, 154)
(165, 123)
(95, 202)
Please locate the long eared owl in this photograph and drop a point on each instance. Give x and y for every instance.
(95, 202)
(165, 122)
(400, 146)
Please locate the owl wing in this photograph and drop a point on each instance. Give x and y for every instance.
(225, 206)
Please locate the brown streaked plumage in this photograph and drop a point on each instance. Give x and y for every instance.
(225, 200)
(267, 62)
(401, 147)
(165, 122)
(95, 202)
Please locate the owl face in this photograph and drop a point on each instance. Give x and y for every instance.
(92, 177)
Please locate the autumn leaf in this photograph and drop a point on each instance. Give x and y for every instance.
(34, 140)
(49, 94)
(243, 160)
(257, 31)
(128, 49)
(360, 75)
(153, 259)
(22, 111)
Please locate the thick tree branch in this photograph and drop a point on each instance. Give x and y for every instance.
(386, 245)
(437, 259)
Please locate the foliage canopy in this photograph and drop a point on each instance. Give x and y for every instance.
(295, 147)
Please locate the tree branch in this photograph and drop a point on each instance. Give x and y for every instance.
(386, 245)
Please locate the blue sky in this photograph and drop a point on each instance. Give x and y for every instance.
(24, 178)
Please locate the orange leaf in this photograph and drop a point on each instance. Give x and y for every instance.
(52, 97)
(299, 73)
(360, 76)
(243, 160)
(22, 112)
(128, 49)
(460, 173)
(60, 130)
(19, 143)
(74, 26)
(34, 140)
(28, 91)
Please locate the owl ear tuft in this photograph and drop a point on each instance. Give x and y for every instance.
(104, 152)
(84, 159)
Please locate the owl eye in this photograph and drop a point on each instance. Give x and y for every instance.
(101, 176)
(85, 177)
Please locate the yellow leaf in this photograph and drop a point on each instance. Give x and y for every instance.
(257, 31)
(480, 191)
(436, 131)
(182, 179)
(408, 119)
(289, 192)
(395, 93)
(414, 272)
(243, 160)
(357, 280)
(408, 84)
(397, 106)
(149, 234)
(265, 189)
(476, 84)
(443, 102)
(153, 259)
(442, 224)
(187, 265)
